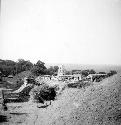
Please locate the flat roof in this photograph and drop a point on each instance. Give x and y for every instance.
(45, 75)
(69, 75)
(96, 74)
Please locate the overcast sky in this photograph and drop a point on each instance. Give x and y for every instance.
(61, 31)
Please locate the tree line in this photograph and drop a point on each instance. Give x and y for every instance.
(9, 67)
(86, 72)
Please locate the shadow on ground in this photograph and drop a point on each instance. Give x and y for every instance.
(3, 118)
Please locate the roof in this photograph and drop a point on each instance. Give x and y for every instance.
(97, 74)
(75, 75)
(10, 76)
(66, 75)
(45, 76)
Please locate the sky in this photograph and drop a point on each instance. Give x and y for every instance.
(61, 31)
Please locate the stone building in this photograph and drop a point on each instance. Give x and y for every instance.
(61, 70)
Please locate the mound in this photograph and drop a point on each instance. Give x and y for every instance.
(97, 104)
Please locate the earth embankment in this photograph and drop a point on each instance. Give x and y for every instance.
(98, 104)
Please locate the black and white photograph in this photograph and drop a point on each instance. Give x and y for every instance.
(60, 62)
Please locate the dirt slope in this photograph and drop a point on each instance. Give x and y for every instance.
(95, 105)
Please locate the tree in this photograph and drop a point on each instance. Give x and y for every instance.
(27, 66)
(23, 65)
(39, 68)
(9, 67)
(111, 73)
(52, 70)
(76, 72)
(56, 68)
(85, 73)
(92, 71)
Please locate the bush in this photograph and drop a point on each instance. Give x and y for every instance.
(43, 93)
(79, 84)
(111, 73)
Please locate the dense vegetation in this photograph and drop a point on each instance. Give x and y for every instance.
(43, 92)
(9, 67)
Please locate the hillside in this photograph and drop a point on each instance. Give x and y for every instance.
(97, 104)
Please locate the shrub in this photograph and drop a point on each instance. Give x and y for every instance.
(79, 84)
(43, 93)
(111, 73)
